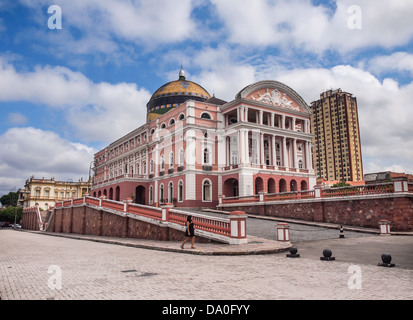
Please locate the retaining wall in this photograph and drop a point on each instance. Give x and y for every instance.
(363, 211)
(99, 222)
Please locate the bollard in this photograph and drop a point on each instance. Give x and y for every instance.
(327, 255)
(293, 253)
(386, 258)
(384, 227)
(341, 233)
(283, 232)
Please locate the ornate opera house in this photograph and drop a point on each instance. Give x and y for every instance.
(194, 147)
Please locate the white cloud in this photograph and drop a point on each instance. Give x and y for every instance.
(15, 118)
(95, 111)
(30, 151)
(221, 74)
(398, 61)
(300, 24)
(97, 25)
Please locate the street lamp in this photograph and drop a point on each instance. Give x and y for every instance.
(15, 205)
(92, 166)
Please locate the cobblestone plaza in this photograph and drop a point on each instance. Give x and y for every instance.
(60, 268)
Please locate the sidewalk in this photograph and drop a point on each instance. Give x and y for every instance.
(316, 224)
(254, 246)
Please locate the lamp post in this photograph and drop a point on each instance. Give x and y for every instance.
(91, 168)
(15, 205)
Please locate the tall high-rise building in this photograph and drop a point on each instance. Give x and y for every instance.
(336, 142)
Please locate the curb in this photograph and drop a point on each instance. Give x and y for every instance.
(126, 243)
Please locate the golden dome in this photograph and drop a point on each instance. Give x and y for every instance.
(174, 93)
(181, 87)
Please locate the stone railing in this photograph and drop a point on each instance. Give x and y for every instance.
(319, 192)
(232, 230)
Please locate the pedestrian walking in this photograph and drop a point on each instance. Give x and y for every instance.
(189, 232)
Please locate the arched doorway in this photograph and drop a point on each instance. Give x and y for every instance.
(293, 185)
(111, 194)
(230, 188)
(140, 195)
(117, 195)
(259, 185)
(283, 185)
(304, 185)
(271, 185)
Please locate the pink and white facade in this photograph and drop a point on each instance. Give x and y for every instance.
(199, 150)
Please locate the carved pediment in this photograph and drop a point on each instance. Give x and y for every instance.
(274, 97)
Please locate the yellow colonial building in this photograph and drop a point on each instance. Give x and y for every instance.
(44, 192)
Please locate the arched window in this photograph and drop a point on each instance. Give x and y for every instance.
(170, 192)
(180, 191)
(206, 190)
(162, 162)
(171, 159)
(181, 157)
(205, 116)
(150, 195)
(163, 126)
(172, 121)
(151, 166)
(300, 164)
(181, 116)
(161, 194)
(206, 156)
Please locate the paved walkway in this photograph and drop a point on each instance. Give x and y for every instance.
(39, 266)
(255, 245)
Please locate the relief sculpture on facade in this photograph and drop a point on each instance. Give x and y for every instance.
(275, 98)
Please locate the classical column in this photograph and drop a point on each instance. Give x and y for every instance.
(246, 114)
(293, 122)
(247, 149)
(284, 152)
(282, 121)
(308, 155)
(261, 113)
(274, 154)
(262, 148)
(241, 145)
(295, 165)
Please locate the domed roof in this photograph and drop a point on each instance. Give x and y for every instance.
(172, 94)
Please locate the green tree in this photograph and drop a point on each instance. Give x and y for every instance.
(7, 214)
(342, 183)
(9, 199)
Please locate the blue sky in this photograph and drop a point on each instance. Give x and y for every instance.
(65, 93)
